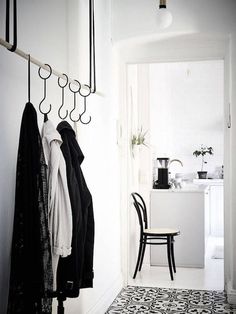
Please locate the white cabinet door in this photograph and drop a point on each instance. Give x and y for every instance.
(217, 210)
(207, 215)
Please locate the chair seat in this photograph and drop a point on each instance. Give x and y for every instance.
(161, 231)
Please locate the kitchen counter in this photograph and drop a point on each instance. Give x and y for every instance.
(188, 188)
(209, 181)
(184, 209)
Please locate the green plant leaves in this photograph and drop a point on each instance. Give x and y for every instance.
(203, 151)
(139, 138)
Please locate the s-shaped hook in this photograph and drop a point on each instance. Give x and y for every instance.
(62, 96)
(74, 92)
(85, 105)
(45, 89)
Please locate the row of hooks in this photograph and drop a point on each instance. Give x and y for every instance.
(91, 88)
(83, 94)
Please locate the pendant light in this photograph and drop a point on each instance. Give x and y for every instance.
(164, 17)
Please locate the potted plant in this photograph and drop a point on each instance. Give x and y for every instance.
(203, 151)
(138, 139)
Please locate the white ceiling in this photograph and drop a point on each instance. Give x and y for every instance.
(137, 18)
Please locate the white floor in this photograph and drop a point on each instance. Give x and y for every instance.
(209, 278)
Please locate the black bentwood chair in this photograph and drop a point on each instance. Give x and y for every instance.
(163, 235)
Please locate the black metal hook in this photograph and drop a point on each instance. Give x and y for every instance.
(62, 96)
(80, 116)
(85, 103)
(88, 91)
(45, 88)
(74, 92)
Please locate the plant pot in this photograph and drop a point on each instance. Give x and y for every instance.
(202, 174)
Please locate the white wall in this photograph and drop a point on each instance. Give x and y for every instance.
(201, 30)
(138, 102)
(186, 110)
(51, 32)
(101, 168)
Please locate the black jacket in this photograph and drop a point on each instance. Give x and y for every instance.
(31, 276)
(76, 271)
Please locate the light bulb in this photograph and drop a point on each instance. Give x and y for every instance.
(164, 17)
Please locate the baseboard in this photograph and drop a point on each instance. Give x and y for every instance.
(107, 298)
(179, 265)
(231, 294)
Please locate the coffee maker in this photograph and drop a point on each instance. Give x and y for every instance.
(162, 181)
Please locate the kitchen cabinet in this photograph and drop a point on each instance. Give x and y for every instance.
(216, 205)
(186, 209)
(216, 210)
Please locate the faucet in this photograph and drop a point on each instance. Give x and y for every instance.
(177, 160)
(174, 183)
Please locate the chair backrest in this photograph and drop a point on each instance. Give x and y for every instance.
(141, 209)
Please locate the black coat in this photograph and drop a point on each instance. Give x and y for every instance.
(31, 276)
(76, 270)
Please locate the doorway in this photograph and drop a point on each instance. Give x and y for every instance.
(146, 83)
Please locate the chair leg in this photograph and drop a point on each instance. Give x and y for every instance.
(142, 254)
(169, 256)
(138, 259)
(172, 254)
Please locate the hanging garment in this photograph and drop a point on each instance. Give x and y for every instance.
(31, 277)
(76, 270)
(60, 214)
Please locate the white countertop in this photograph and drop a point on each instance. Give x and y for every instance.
(188, 188)
(209, 181)
(197, 186)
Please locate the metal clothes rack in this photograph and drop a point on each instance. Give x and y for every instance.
(38, 63)
(13, 47)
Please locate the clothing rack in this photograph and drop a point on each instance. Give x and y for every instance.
(38, 63)
(88, 89)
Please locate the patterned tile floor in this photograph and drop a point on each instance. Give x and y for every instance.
(142, 300)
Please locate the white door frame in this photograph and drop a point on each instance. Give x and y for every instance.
(214, 50)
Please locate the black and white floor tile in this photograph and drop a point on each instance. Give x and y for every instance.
(141, 300)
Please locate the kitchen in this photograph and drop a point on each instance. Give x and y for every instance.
(185, 114)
